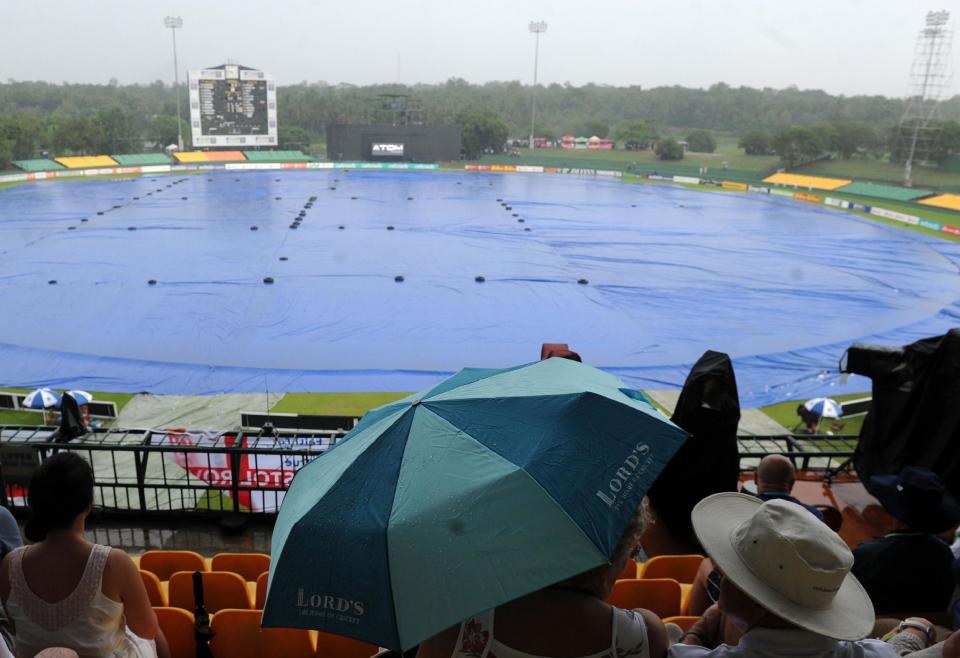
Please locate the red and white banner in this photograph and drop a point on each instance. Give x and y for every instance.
(269, 474)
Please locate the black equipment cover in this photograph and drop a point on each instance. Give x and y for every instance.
(914, 419)
(71, 420)
(708, 462)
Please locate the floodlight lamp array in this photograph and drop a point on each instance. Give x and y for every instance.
(938, 18)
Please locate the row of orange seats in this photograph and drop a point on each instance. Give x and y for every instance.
(238, 581)
(237, 634)
(230, 580)
(662, 584)
(164, 564)
(221, 589)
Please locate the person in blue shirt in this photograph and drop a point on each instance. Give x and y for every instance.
(775, 478)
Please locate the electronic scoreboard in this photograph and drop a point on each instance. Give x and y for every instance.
(233, 105)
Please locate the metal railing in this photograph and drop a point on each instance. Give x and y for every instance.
(168, 472)
(191, 475)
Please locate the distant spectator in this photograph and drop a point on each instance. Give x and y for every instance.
(775, 478)
(569, 618)
(64, 591)
(786, 585)
(909, 568)
(810, 420)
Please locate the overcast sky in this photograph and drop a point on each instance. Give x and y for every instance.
(842, 46)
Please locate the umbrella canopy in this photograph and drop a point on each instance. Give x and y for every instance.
(824, 407)
(42, 398)
(491, 485)
(82, 398)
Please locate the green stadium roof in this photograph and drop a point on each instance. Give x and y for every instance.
(889, 192)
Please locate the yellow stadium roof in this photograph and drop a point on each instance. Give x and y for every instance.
(948, 201)
(807, 182)
(192, 156)
(81, 161)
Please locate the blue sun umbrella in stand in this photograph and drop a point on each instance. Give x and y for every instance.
(824, 407)
(82, 398)
(489, 486)
(41, 398)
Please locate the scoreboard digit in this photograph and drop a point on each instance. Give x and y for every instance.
(231, 105)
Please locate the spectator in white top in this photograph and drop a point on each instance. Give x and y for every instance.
(786, 585)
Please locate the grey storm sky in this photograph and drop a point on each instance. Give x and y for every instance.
(841, 46)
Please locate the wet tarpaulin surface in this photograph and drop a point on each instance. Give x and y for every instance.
(783, 287)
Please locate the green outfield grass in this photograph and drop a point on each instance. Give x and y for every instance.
(334, 404)
(738, 165)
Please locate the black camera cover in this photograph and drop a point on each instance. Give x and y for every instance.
(914, 419)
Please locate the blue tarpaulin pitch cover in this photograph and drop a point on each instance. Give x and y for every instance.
(783, 287)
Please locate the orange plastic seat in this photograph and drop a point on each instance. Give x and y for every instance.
(177, 627)
(631, 570)
(683, 621)
(685, 591)
(221, 589)
(338, 646)
(156, 592)
(166, 563)
(682, 568)
(659, 595)
(261, 596)
(237, 634)
(247, 565)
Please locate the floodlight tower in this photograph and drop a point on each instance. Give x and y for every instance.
(175, 23)
(537, 28)
(929, 77)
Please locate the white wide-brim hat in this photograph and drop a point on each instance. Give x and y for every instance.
(787, 561)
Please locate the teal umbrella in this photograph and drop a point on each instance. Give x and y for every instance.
(489, 486)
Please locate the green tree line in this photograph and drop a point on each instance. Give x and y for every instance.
(84, 118)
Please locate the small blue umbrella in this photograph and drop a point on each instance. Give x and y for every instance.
(82, 398)
(42, 398)
(824, 407)
(489, 486)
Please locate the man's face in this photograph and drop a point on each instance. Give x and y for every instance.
(739, 608)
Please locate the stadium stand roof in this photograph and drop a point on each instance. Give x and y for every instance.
(948, 201)
(83, 161)
(41, 164)
(139, 159)
(806, 182)
(277, 156)
(209, 156)
(890, 192)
